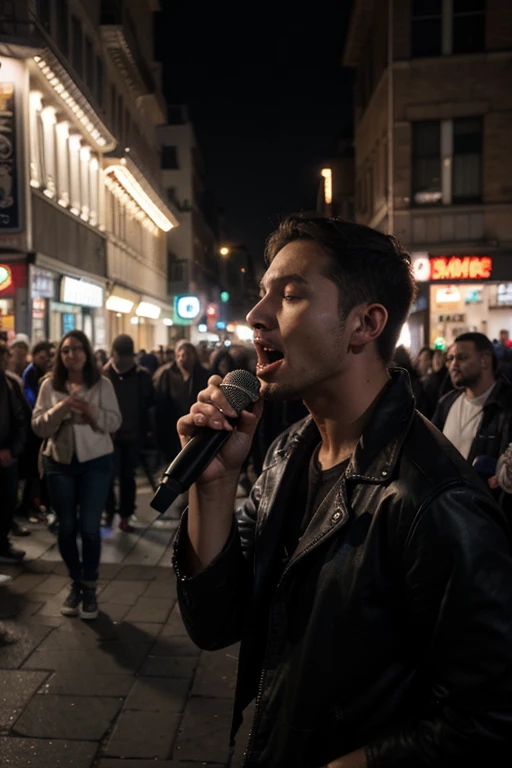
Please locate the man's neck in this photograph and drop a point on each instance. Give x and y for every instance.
(342, 410)
(482, 386)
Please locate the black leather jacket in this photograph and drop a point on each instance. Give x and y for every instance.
(391, 626)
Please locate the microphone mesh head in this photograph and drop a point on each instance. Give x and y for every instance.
(241, 389)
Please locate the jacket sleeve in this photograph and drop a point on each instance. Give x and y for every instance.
(107, 415)
(20, 421)
(46, 419)
(457, 569)
(30, 386)
(214, 603)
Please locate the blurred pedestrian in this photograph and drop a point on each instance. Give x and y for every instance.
(424, 362)
(221, 362)
(149, 361)
(436, 384)
(176, 388)
(402, 359)
(13, 433)
(19, 356)
(35, 371)
(75, 413)
(134, 391)
(477, 415)
(170, 356)
(101, 358)
(503, 352)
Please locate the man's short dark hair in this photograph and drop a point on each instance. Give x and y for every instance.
(368, 267)
(482, 344)
(123, 345)
(41, 346)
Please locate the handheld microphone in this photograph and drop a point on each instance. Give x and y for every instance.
(241, 390)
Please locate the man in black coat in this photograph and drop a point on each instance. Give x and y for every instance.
(369, 574)
(13, 434)
(135, 395)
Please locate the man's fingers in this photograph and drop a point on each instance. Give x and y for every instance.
(214, 395)
(208, 415)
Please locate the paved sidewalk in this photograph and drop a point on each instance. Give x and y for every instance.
(129, 690)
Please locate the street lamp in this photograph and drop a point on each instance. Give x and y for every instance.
(224, 251)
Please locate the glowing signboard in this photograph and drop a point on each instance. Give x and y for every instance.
(5, 277)
(460, 267)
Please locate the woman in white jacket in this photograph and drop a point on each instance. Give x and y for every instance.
(75, 413)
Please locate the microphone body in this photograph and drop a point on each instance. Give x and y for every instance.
(241, 389)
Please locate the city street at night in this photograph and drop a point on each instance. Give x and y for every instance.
(123, 691)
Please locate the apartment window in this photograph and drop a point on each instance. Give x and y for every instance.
(171, 194)
(44, 13)
(426, 31)
(100, 82)
(467, 160)
(76, 37)
(169, 159)
(62, 26)
(468, 26)
(447, 161)
(445, 27)
(89, 63)
(426, 164)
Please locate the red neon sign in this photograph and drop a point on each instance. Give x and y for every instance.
(5, 277)
(460, 267)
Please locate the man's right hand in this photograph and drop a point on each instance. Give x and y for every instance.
(211, 410)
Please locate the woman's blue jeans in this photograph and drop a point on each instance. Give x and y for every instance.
(78, 493)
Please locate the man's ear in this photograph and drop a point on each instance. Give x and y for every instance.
(367, 323)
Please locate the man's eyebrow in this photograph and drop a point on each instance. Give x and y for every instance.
(292, 278)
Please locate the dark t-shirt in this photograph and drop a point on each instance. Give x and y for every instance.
(311, 490)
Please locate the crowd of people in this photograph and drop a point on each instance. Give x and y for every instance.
(77, 424)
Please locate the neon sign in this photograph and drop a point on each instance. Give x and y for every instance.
(460, 267)
(5, 277)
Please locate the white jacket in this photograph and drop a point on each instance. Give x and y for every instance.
(64, 437)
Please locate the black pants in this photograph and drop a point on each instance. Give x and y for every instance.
(8, 498)
(126, 459)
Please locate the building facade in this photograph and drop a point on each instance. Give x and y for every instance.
(433, 157)
(82, 220)
(193, 248)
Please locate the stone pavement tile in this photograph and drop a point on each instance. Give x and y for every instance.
(174, 624)
(85, 718)
(80, 683)
(39, 566)
(216, 673)
(152, 694)
(37, 753)
(166, 666)
(28, 638)
(16, 689)
(143, 734)
(114, 611)
(52, 585)
(123, 592)
(109, 570)
(12, 604)
(13, 570)
(137, 632)
(165, 588)
(53, 603)
(204, 731)
(26, 581)
(174, 646)
(29, 611)
(113, 658)
(138, 572)
(150, 609)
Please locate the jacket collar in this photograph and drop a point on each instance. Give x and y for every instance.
(378, 449)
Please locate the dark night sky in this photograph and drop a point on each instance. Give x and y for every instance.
(268, 98)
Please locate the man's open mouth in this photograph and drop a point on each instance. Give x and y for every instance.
(269, 358)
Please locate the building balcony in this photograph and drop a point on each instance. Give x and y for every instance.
(120, 39)
(19, 37)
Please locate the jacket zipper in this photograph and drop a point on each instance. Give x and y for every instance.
(256, 712)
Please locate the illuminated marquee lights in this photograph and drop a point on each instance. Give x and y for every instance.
(129, 183)
(59, 88)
